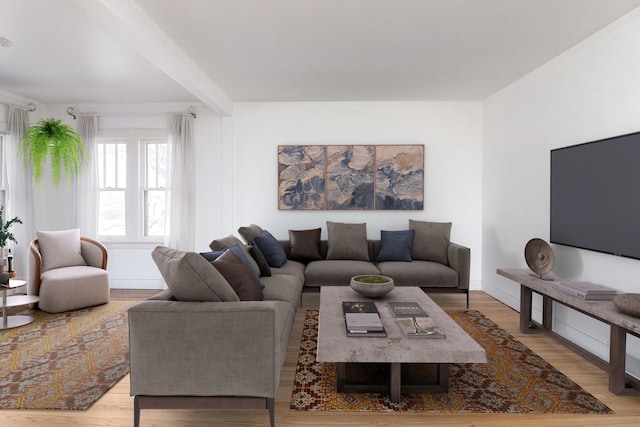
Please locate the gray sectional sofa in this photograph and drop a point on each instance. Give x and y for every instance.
(217, 338)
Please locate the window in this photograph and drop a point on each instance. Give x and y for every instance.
(132, 182)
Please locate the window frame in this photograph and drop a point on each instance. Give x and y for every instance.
(135, 182)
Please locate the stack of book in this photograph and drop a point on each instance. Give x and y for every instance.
(413, 321)
(362, 319)
(586, 290)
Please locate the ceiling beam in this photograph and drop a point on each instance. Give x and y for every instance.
(133, 25)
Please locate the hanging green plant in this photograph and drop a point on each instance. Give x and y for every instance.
(50, 138)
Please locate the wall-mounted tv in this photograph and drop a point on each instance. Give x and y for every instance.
(595, 195)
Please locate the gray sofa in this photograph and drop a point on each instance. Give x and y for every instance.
(218, 337)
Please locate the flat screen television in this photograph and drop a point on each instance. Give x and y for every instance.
(595, 196)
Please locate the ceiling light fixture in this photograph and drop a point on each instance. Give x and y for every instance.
(4, 42)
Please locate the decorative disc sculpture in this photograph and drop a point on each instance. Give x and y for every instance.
(539, 257)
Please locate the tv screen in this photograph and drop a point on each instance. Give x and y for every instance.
(595, 196)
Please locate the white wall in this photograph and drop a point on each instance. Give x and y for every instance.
(588, 93)
(450, 131)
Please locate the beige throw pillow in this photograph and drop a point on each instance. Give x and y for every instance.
(60, 248)
(431, 240)
(347, 241)
(191, 277)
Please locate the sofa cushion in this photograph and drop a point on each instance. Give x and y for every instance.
(347, 241)
(191, 277)
(292, 268)
(243, 281)
(60, 248)
(431, 240)
(336, 272)
(395, 245)
(416, 273)
(224, 243)
(283, 287)
(305, 245)
(271, 249)
(249, 232)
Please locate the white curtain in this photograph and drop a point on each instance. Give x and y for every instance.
(85, 197)
(20, 186)
(181, 186)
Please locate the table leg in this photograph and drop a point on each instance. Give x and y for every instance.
(5, 321)
(395, 385)
(617, 354)
(526, 302)
(547, 313)
(341, 375)
(443, 376)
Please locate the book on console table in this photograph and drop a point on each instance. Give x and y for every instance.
(406, 309)
(586, 290)
(362, 319)
(419, 327)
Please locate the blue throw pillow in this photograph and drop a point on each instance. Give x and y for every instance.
(395, 245)
(211, 256)
(271, 249)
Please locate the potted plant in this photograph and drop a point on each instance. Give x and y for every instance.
(51, 139)
(6, 235)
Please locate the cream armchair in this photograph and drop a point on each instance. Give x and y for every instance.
(67, 271)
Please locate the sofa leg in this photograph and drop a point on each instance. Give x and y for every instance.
(272, 409)
(136, 412)
(467, 299)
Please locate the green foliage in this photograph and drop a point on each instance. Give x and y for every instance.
(372, 279)
(50, 138)
(5, 234)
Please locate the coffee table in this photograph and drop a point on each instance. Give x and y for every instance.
(335, 346)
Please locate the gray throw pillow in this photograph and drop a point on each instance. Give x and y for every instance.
(431, 240)
(249, 232)
(224, 243)
(347, 241)
(191, 277)
(60, 248)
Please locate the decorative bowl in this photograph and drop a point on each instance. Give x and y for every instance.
(372, 285)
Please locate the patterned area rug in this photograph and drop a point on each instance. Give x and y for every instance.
(514, 380)
(66, 360)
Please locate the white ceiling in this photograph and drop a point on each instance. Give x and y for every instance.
(220, 51)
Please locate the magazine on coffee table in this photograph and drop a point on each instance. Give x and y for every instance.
(406, 309)
(362, 319)
(419, 327)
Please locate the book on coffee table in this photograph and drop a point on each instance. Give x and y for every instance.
(419, 327)
(406, 309)
(362, 319)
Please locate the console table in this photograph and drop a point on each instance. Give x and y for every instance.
(604, 311)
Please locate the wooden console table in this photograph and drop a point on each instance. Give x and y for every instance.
(604, 311)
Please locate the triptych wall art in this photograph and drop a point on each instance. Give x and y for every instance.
(351, 177)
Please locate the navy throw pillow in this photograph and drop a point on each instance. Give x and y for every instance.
(211, 256)
(395, 245)
(271, 249)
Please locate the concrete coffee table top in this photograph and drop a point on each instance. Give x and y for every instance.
(335, 346)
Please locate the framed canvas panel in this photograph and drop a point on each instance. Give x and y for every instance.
(301, 177)
(350, 173)
(399, 179)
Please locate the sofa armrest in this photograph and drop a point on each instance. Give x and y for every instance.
(180, 348)
(460, 260)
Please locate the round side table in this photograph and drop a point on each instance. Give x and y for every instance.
(15, 301)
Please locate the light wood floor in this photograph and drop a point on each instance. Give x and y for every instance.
(116, 407)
